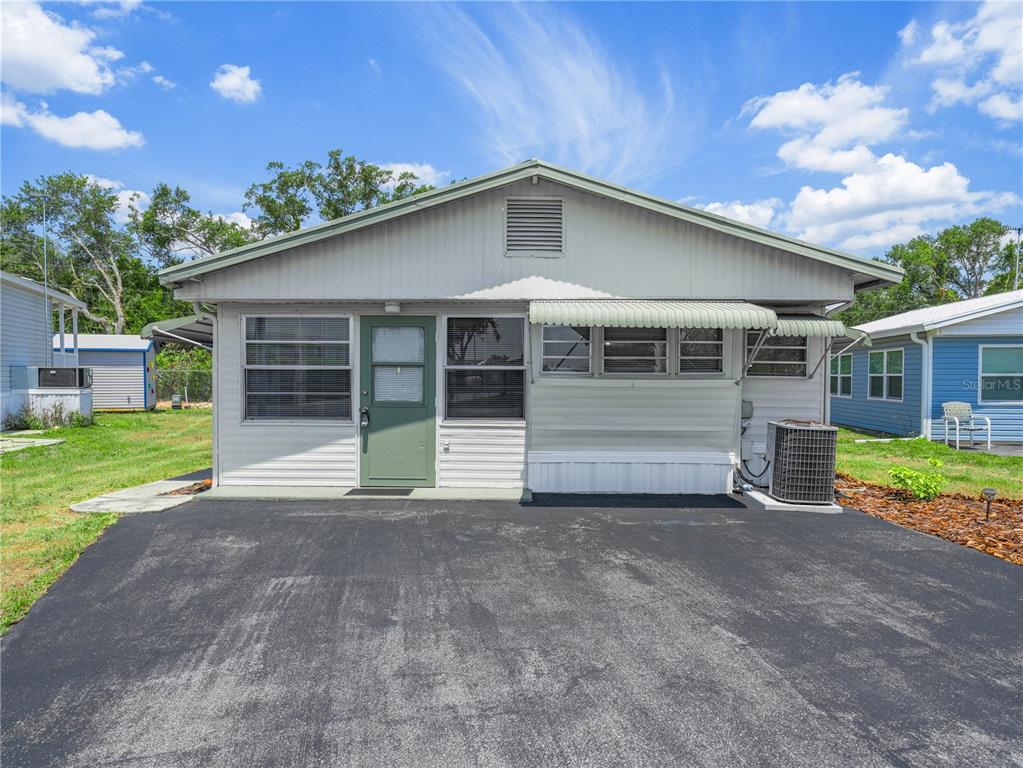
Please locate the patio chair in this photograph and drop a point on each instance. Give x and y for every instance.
(961, 416)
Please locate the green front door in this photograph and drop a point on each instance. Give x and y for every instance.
(397, 410)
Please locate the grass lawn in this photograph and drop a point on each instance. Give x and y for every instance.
(39, 536)
(968, 471)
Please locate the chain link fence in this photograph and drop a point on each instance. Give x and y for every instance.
(194, 385)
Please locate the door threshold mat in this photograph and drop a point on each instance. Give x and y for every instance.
(379, 492)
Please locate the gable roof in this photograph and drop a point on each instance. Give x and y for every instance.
(866, 272)
(108, 342)
(40, 289)
(929, 318)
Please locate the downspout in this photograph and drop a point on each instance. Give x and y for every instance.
(925, 383)
(201, 314)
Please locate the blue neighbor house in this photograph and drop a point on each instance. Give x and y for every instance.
(970, 351)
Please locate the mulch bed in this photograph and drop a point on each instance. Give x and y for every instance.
(953, 517)
(190, 490)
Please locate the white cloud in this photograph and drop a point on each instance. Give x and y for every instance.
(237, 217)
(908, 33)
(987, 48)
(117, 10)
(545, 87)
(236, 83)
(425, 172)
(43, 54)
(759, 213)
(888, 202)
(125, 197)
(82, 130)
(164, 83)
(374, 65)
(834, 123)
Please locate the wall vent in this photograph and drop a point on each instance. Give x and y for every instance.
(534, 226)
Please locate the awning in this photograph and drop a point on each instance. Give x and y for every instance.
(809, 325)
(640, 313)
(190, 328)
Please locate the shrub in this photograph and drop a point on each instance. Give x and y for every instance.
(57, 416)
(79, 419)
(920, 484)
(21, 419)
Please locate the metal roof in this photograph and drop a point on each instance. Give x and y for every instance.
(109, 342)
(198, 330)
(928, 318)
(641, 313)
(873, 271)
(39, 288)
(808, 325)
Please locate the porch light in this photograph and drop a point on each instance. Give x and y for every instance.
(989, 495)
(392, 307)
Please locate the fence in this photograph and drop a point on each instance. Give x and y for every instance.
(194, 385)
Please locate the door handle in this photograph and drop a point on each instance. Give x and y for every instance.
(364, 417)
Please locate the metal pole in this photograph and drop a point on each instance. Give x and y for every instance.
(48, 324)
(1015, 272)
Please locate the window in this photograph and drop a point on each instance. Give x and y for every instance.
(635, 350)
(700, 350)
(566, 349)
(777, 356)
(485, 368)
(841, 376)
(884, 380)
(297, 368)
(1001, 374)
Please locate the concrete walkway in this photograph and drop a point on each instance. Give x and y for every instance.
(334, 493)
(142, 498)
(10, 444)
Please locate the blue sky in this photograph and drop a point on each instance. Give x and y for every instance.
(853, 125)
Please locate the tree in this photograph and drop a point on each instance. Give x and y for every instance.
(972, 252)
(171, 230)
(345, 185)
(1009, 260)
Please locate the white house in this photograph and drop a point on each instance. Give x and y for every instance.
(531, 328)
(31, 372)
(123, 370)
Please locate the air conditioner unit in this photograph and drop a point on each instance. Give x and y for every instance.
(802, 456)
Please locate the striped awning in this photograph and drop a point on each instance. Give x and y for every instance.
(641, 313)
(809, 325)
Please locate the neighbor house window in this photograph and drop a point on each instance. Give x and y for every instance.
(884, 369)
(841, 376)
(297, 368)
(1001, 374)
(485, 368)
(777, 356)
(635, 350)
(700, 350)
(566, 349)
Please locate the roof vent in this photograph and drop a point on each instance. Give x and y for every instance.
(534, 226)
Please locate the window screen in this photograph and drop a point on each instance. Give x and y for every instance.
(566, 349)
(297, 368)
(777, 356)
(485, 368)
(700, 350)
(635, 350)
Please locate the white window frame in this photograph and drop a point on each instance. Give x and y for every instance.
(884, 374)
(841, 375)
(442, 343)
(245, 366)
(748, 364)
(590, 367)
(981, 374)
(677, 365)
(670, 356)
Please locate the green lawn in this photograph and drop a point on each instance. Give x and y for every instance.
(967, 471)
(39, 536)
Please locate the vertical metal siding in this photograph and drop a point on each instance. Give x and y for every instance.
(955, 378)
(26, 337)
(118, 378)
(895, 418)
(457, 251)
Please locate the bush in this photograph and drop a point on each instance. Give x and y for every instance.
(79, 419)
(57, 416)
(920, 484)
(21, 419)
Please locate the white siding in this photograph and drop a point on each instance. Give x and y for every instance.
(259, 453)
(457, 251)
(25, 332)
(118, 378)
(624, 473)
(1008, 323)
(481, 456)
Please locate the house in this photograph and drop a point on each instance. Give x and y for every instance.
(123, 370)
(531, 328)
(968, 351)
(32, 374)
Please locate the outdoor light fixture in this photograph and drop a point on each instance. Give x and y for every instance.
(989, 495)
(392, 307)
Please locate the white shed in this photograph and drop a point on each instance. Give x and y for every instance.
(123, 370)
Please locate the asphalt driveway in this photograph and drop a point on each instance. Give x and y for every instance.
(391, 633)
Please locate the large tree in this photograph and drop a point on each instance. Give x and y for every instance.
(971, 252)
(292, 195)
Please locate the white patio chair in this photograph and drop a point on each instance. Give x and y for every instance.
(961, 416)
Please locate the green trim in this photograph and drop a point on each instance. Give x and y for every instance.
(528, 169)
(408, 422)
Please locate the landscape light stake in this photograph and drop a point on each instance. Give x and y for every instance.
(989, 495)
